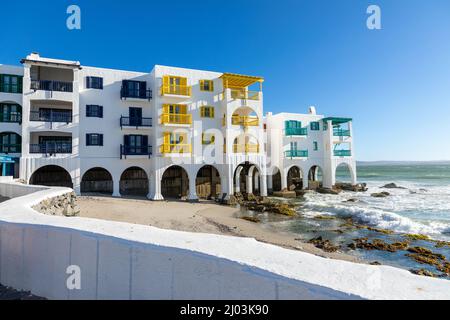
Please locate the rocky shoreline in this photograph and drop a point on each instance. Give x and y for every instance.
(7, 293)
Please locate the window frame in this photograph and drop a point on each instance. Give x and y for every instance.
(91, 84)
(90, 143)
(314, 125)
(206, 83)
(91, 114)
(211, 112)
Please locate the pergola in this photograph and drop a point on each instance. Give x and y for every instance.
(239, 81)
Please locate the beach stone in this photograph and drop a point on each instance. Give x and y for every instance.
(285, 194)
(392, 186)
(64, 205)
(328, 191)
(325, 245)
(380, 194)
(423, 272)
(377, 244)
(360, 187)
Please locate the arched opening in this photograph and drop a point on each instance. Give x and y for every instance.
(247, 179)
(343, 173)
(134, 182)
(207, 182)
(245, 143)
(295, 178)
(315, 177)
(276, 180)
(175, 183)
(51, 176)
(245, 116)
(97, 180)
(10, 142)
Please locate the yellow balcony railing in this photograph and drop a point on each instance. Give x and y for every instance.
(176, 118)
(175, 148)
(245, 121)
(245, 94)
(179, 90)
(246, 148)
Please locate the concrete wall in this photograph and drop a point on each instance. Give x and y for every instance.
(126, 261)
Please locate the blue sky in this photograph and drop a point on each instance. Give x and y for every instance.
(394, 82)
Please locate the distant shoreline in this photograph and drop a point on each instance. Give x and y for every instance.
(399, 163)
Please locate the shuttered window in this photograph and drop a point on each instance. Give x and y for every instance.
(94, 139)
(94, 111)
(315, 126)
(94, 83)
(206, 85)
(11, 83)
(207, 112)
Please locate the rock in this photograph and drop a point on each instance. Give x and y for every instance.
(324, 217)
(445, 268)
(251, 219)
(375, 263)
(352, 200)
(328, 191)
(423, 272)
(285, 194)
(426, 253)
(377, 244)
(301, 193)
(292, 187)
(360, 187)
(380, 194)
(325, 245)
(384, 231)
(392, 186)
(411, 236)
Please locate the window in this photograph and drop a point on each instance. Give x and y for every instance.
(94, 111)
(175, 138)
(207, 112)
(10, 142)
(206, 85)
(135, 89)
(292, 124)
(208, 138)
(315, 126)
(293, 145)
(94, 83)
(175, 108)
(10, 112)
(94, 139)
(315, 146)
(10, 83)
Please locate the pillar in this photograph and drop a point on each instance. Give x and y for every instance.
(155, 186)
(192, 196)
(263, 185)
(116, 187)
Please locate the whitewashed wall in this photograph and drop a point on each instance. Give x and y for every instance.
(125, 261)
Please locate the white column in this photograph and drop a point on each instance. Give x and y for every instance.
(116, 187)
(248, 183)
(237, 189)
(155, 186)
(192, 196)
(263, 185)
(283, 175)
(226, 179)
(305, 181)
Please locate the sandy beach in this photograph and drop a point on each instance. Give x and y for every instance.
(203, 217)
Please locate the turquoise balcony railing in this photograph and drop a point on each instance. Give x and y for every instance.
(296, 154)
(341, 133)
(296, 131)
(343, 153)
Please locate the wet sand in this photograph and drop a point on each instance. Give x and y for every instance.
(203, 217)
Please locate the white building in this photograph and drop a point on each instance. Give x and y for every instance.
(173, 132)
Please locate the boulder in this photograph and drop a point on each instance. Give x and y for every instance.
(380, 194)
(328, 191)
(285, 194)
(392, 186)
(325, 245)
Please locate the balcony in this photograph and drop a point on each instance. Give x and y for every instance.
(176, 90)
(51, 116)
(169, 148)
(245, 121)
(296, 154)
(49, 85)
(176, 118)
(341, 133)
(296, 132)
(128, 93)
(51, 148)
(246, 148)
(343, 153)
(10, 148)
(135, 122)
(126, 150)
(245, 94)
(11, 117)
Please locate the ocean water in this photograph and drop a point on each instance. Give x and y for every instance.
(421, 207)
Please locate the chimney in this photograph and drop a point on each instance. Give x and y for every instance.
(312, 110)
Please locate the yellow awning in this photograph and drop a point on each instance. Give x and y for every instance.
(233, 80)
